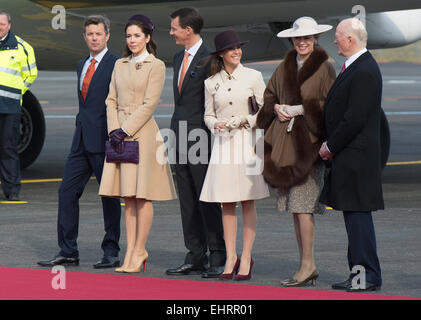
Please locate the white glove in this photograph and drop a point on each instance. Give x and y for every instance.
(218, 129)
(295, 110)
(235, 122)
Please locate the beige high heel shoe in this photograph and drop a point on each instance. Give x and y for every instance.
(138, 268)
(120, 269)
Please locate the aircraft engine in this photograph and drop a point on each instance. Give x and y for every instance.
(393, 29)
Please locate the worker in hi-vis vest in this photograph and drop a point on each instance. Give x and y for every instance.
(18, 71)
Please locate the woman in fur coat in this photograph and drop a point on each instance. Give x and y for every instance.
(293, 123)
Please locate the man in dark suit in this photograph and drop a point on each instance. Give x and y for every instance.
(202, 222)
(88, 151)
(352, 114)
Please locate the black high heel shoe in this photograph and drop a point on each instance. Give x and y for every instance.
(241, 277)
(229, 276)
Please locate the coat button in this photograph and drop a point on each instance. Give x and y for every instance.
(230, 103)
(229, 89)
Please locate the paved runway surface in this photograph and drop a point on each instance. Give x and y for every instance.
(28, 231)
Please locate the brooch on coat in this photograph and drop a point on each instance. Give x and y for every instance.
(138, 65)
(217, 87)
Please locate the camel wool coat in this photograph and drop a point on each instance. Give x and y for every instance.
(135, 90)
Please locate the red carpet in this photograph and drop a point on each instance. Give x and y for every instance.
(36, 284)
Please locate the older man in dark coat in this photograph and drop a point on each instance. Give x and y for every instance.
(352, 115)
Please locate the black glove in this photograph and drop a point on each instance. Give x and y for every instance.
(117, 140)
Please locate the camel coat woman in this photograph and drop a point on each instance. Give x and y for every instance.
(135, 90)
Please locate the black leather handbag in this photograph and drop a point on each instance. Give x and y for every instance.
(254, 107)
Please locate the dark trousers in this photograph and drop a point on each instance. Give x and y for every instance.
(9, 157)
(362, 249)
(79, 168)
(202, 221)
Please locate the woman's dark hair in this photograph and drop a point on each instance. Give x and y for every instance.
(151, 46)
(189, 17)
(215, 63)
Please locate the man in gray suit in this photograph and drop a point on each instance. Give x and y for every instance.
(202, 222)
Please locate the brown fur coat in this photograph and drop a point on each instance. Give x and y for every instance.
(309, 87)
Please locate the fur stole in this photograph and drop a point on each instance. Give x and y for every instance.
(307, 128)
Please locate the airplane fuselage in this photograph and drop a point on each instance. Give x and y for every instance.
(54, 29)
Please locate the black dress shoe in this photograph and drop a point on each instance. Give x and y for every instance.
(343, 285)
(13, 197)
(368, 287)
(213, 272)
(186, 269)
(59, 260)
(107, 262)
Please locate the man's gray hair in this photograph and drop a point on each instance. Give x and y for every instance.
(7, 14)
(97, 19)
(358, 30)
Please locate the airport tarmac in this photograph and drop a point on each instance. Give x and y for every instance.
(28, 230)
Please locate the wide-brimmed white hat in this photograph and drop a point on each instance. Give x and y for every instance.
(304, 26)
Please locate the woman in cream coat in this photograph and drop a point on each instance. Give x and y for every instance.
(232, 175)
(135, 89)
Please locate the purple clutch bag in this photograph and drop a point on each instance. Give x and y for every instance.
(129, 155)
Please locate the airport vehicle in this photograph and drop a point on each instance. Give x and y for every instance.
(54, 29)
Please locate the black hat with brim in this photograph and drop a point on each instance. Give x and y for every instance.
(227, 39)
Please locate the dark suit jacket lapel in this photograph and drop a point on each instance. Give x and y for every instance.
(198, 56)
(79, 74)
(98, 71)
(348, 71)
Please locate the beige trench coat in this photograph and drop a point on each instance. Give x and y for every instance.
(135, 90)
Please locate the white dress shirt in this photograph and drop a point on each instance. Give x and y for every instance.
(98, 59)
(192, 51)
(354, 57)
(140, 58)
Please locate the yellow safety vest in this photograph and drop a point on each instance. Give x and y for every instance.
(18, 70)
